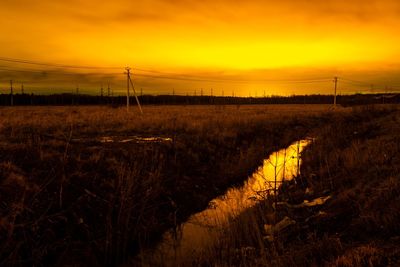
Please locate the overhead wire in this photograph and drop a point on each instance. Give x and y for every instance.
(373, 87)
(144, 73)
(172, 76)
(202, 79)
(183, 78)
(355, 81)
(24, 61)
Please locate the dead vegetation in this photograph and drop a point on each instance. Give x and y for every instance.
(353, 166)
(68, 202)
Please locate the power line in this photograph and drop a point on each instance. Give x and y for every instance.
(355, 81)
(187, 76)
(202, 79)
(56, 72)
(370, 86)
(165, 75)
(24, 61)
(182, 76)
(355, 84)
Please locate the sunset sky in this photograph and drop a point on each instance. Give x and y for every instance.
(242, 47)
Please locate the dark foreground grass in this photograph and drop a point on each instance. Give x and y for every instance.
(68, 199)
(356, 162)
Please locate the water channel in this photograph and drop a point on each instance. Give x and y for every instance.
(203, 228)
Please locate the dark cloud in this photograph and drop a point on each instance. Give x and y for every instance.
(277, 81)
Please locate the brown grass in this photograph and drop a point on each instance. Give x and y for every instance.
(355, 160)
(66, 198)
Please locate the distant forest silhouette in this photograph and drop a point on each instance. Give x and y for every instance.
(82, 99)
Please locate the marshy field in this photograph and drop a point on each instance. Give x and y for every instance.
(100, 186)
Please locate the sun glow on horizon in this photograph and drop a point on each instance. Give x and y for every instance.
(252, 41)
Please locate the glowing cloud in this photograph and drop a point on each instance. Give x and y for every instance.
(241, 40)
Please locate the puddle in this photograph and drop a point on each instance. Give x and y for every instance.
(134, 139)
(125, 139)
(203, 228)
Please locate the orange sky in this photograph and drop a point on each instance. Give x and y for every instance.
(243, 46)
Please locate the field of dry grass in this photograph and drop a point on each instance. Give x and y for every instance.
(68, 196)
(354, 165)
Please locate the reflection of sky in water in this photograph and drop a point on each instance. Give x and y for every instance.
(134, 139)
(202, 228)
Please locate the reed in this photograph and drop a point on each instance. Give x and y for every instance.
(354, 162)
(66, 198)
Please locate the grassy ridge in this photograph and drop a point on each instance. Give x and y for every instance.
(67, 198)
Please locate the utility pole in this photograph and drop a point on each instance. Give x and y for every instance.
(275, 180)
(112, 96)
(298, 158)
(128, 77)
(77, 94)
(128, 72)
(22, 89)
(284, 166)
(384, 95)
(11, 93)
(334, 99)
(101, 91)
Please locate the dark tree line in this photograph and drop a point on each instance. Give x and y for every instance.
(74, 99)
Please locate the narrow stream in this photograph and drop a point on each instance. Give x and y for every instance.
(203, 228)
